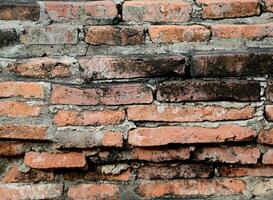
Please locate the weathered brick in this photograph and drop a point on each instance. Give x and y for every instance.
(41, 67)
(31, 191)
(52, 34)
(12, 148)
(242, 31)
(81, 118)
(157, 11)
(28, 132)
(269, 91)
(180, 113)
(188, 135)
(177, 34)
(94, 191)
(19, 109)
(265, 136)
(262, 187)
(269, 5)
(217, 9)
(14, 175)
(268, 157)
(21, 89)
(174, 171)
(8, 36)
(109, 67)
(233, 154)
(198, 187)
(11, 11)
(232, 64)
(88, 12)
(269, 112)
(108, 95)
(112, 139)
(118, 35)
(253, 171)
(54, 160)
(233, 90)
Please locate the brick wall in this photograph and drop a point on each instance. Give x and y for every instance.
(136, 100)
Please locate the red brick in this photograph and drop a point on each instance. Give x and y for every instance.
(95, 11)
(94, 191)
(217, 9)
(269, 5)
(108, 95)
(230, 64)
(52, 34)
(58, 160)
(32, 191)
(188, 135)
(19, 109)
(180, 113)
(200, 187)
(157, 11)
(174, 171)
(268, 157)
(99, 35)
(242, 155)
(269, 112)
(265, 136)
(27, 132)
(196, 90)
(266, 171)
(12, 148)
(82, 118)
(14, 175)
(21, 89)
(242, 31)
(177, 34)
(41, 67)
(112, 139)
(136, 66)
(19, 11)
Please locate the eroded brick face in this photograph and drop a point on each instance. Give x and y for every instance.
(136, 99)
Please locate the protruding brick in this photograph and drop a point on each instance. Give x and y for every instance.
(180, 113)
(19, 11)
(268, 157)
(265, 136)
(31, 191)
(266, 171)
(188, 135)
(94, 191)
(157, 11)
(200, 187)
(18, 109)
(174, 171)
(96, 117)
(58, 160)
(269, 5)
(21, 89)
(41, 67)
(110, 67)
(232, 64)
(14, 175)
(27, 132)
(108, 95)
(177, 34)
(208, 91)
(109, 35)
(217, 9)
(12, 148)
(95, 12)
(235, 154)
(242, 31)
(53, 34)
